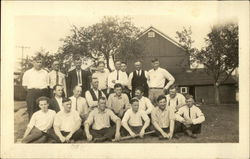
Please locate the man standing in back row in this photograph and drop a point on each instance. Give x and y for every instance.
(78, 77)
(138, 78)
(35, 82)
(156, 80)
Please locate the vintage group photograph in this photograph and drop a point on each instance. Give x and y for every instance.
(113, 78)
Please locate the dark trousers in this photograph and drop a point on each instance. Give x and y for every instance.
(177, 129)
(31, 98)
(195, 129)
(35, 136)
(107, 133)
(78, 135)
(135, 129)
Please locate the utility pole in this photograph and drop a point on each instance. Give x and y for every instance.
(23, 48)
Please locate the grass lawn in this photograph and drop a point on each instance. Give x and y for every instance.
(221, 125)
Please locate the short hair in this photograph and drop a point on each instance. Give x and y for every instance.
(76, 87)
(140, 88)
(124, 62)
(101, 98)
(38, 59)
(77, 57)
(57, 85)
(117, 61)
(117, 85)
(174, 86)
(189, 96)
(64, 100)
(133, 100)
(43, 98)
(100, 62)
(138, 61)
(154, 60)
(161, 97)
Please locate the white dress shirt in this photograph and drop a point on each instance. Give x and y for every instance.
(66, 121)
(52, 79)
(135, 119)
(79, 77)
(178, 99)
(34, 79)
(59, 101)
(102, 78)
(42, 121)
(156, 78)
(131, 77)
(79, 104)
(90, 100)
(123, 78)
(145, 105)
(193, 113)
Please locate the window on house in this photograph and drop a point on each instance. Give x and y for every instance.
(184, 90)
(151, 34)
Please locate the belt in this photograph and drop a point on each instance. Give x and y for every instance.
(34, 89)
(155, 88)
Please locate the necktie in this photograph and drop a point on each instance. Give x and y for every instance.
(79, 78)
(57, 78)
(117, 78)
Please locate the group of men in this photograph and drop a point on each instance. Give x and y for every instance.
(100, 106)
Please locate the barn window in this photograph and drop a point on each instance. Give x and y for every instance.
(184, 90)
(151, 34)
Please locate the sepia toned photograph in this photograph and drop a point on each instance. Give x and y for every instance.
(126, 73)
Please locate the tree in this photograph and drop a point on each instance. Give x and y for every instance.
(108, 38)
(219, 56)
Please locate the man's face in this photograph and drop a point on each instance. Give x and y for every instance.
(58, 91)
(37, 64)
(123, 67)
(118, 65)
(77, 91)
(118, 91)
(135, 106)
(138, 66)
(56, 66)
(138, 94)
(101, 67)
(162, 104)
(102, 105)
(190, 102)
(172, 93)
(67, 106)
(78, 64)
(43, 105)
(95, 83)
(155, 64)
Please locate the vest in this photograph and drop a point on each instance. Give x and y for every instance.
(94, 96)
(139, 80)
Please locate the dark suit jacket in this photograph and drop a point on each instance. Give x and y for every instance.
(72, 81)
(54, 104)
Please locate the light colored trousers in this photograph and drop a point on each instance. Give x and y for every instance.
(154, 93)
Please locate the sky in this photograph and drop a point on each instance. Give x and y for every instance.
(40, 25)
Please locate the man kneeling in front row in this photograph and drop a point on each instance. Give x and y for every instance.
(190, 117)
(135, 121)
(163, 119)
(99, 118)
(67, 124)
